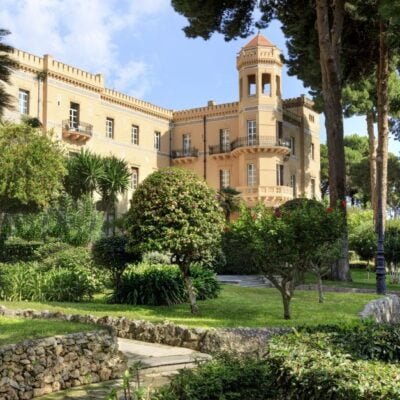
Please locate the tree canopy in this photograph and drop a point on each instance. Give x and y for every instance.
(174, 211)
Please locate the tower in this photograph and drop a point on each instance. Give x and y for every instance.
(264, 150)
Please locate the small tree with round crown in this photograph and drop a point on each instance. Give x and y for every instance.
(174, 211)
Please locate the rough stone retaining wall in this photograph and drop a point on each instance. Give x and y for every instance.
(211, 341)
(33, 368)
(385, 310)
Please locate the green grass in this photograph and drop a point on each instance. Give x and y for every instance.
(361, 279)
(236, 306)
(14, 330)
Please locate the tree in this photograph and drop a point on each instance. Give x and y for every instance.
(314, 56)
(32, 167)
(85, 170)
(324, 170)
(114, 181)
(174, 211)
(229, 201)
(7, 64)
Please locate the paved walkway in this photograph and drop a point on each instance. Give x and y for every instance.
(158, 364)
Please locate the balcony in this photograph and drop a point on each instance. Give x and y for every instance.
(257, 144)
(81, 132)
(269, 195)
(220, 151)
(184, 156)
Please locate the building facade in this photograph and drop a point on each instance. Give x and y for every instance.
(265, 147)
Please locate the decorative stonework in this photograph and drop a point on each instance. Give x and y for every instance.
(208, 341)
(33, 368)
(384, 310)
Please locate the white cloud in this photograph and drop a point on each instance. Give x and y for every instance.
(84, 34)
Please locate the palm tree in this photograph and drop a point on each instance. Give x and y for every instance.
(7, 64)
(229, 201)
(113, 182)
(85, 170)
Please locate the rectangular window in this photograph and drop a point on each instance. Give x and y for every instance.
(278, 85)
(74, 116)
(186, 143)
(251, 85)
(157, 140)
(240, 88)
(312, 152)
(251, 175)
(313, 188)
(224, 140)
(266, 84)
(134, 178)
(279, 175)
(311, 118)
(251, 133)
(292, 145)
(110, 128)
(293, 185)
(23, 101)
(279, 131)
(224, 178)
(135, 134)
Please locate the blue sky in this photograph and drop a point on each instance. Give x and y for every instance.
(140, 48)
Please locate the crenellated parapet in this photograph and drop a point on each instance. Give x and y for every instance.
(301, 101)
(213, 110)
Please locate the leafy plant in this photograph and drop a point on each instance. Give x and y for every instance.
(110, 253)
(150, 284)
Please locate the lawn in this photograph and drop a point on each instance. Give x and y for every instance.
(14, 330)
(361, 279)
(236, 306)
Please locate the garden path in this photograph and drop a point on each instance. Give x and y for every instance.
(158, 364)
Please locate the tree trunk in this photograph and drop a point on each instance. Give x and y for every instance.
(329, 38)
(382, 155)
(320, 288)
(372, 159)
(286, 304)
(3, 235)
(190, 289)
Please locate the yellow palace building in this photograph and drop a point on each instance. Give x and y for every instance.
(262, 145)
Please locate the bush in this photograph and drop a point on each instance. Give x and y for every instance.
(58, 279)
(21, 281)
(239, 259)
(226, 377)
(155, 257)
(69, 284)
(110, 253)
(18, 250)
(158, 284)
(335, 363)
(363, 241)
(49, 249)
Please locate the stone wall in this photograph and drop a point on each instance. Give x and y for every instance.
(33, 368)
(210, 341)
(385, 310)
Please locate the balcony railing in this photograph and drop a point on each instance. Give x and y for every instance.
(284, 192)
(182, 153)
(77, 130)
(259, 141)
(220, 148)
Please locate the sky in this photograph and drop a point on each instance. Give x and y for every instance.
(140, 48)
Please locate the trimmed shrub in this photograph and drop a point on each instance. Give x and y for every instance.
(226, 377)
(18, 250)
(158, 284)
(110, 254)
(363, 241)
(48, 250)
